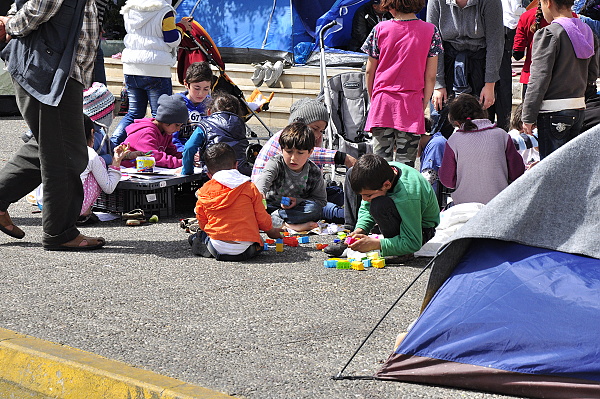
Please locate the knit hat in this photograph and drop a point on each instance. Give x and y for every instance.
(99, 104)
(307, 110)
(172, 109)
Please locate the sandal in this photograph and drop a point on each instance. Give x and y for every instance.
(79, 243)
(134, 214)
(5, 222)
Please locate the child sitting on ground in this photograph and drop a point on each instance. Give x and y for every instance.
(291, 174)
(480, 159)
(229, 210)
(224, 125)
(154, 135)
(399, 200)
(96, 177)
(198, 82)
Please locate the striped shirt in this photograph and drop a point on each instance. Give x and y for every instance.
(36, 12)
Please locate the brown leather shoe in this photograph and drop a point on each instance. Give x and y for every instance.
(8, 227)
(79, 243)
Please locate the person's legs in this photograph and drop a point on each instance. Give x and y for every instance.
(383, 142)
(333, 213)
(249, 253)
(406, 147)
(99, 74)
(557, 128)
(306, 211)
(56, 157)
(351, 202)
(138, 102)
(384, 212)
(156, 87)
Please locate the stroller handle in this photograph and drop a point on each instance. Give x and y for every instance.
(325, 29)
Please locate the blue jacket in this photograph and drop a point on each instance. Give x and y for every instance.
(220, 127)
(196, 113)
(41, 61)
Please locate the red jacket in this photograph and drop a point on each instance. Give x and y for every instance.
(524, 40)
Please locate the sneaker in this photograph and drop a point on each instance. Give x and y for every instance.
(200, 248)
(335, 250)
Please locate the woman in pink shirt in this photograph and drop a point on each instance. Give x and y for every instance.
(400, 75)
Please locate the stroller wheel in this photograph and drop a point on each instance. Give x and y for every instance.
(252, 152)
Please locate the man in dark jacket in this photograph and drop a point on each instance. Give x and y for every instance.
(58, 41)
(365, 18)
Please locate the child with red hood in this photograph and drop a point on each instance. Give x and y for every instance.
(155, 134)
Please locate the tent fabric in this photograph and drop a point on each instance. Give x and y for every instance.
(555, 205)
(512, 301)
(271, 24)
(510, 308)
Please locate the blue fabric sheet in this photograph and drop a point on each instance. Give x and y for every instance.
(516, 308)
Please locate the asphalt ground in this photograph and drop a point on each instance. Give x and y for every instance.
(280, 325)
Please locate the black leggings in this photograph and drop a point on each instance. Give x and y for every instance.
(386, 215)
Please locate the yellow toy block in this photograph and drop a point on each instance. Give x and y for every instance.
(373, 255)
(279, 247)
(357, 265)
(378, 263)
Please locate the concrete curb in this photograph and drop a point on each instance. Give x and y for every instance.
(62, 372)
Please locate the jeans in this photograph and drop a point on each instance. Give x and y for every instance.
(141, 90)
(556, 128)
(306, 211)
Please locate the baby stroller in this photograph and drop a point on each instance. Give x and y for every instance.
(198, 46)
(348, 108)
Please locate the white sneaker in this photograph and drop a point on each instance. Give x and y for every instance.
(273, 74)
(258, 76)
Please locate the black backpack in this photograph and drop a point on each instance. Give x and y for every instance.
(591, 9)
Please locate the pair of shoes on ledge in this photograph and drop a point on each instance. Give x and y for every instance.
(267, 73)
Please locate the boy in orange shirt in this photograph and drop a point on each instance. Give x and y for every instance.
(229, 210)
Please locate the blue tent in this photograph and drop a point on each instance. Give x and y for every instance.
(271, 25)
(512, 302)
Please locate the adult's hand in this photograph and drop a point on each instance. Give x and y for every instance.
(350, 161)
(3, 34)
(439, 98)
(487, 98)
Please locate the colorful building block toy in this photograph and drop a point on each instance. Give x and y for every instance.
(290, 241)
(366, 262)
(279, 247)
(378, 263)
(265, 247)
(357, 265)
(270, 241)
(330, 263)
(343, 264)
(341, 235)
(286, 201)
(303, 240)
(320, 246)
(350, 240)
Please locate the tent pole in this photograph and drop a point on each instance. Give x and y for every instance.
(194, 9)
(339, 375)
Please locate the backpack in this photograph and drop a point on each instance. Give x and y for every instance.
(591, 9)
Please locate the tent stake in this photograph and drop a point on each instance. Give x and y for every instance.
(339, 375)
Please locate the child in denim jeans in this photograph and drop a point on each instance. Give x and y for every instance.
(291, 174)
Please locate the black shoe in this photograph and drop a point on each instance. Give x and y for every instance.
(84, 220)
(335, 250)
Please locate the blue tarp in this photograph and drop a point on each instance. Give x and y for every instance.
(516, 308)
(272, 24)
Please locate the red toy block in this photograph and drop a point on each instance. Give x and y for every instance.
(320, 246)
(290, 241)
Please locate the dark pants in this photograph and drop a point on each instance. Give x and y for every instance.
(55, 156)
(556, 128)
(249, 253)
(502, 108)
(351, 202)
(386, 215)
